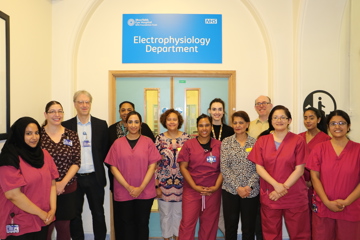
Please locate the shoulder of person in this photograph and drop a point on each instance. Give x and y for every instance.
(215, 141)
(113, 125)
(251, 139)
(69, 122)
(228, 139)
(95, 119)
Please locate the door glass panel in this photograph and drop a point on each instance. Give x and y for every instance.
(192, 98)
(151, 103)
(210, 88)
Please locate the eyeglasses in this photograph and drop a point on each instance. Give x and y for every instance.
(281, 118)
(83, 102)
(341, 123)
(54, 112)
(259, 104)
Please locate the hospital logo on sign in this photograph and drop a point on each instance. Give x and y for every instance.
(131, 22)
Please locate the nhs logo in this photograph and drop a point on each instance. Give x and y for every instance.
(210, 21)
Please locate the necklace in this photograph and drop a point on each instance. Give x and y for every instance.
(213, 132)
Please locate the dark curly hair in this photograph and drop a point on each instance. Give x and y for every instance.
(164, 116)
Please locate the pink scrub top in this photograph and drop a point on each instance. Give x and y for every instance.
(319, 138)
(339, 176)
(203, 173)
(35, 183)
(280, 164)
(133, 164)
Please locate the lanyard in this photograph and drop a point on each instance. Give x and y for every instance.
(213, 132)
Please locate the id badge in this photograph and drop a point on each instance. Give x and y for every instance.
(67, 142)
(12, 228)
(86, 143)
(211, 159)
(314, 208)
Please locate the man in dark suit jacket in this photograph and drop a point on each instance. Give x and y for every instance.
(91, 178)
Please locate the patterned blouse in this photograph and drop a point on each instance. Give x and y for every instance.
(236, 169)
(65, 153)
(168, 171)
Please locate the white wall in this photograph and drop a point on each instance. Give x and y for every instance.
(30, 57)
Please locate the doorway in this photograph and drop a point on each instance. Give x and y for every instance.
(153, 92)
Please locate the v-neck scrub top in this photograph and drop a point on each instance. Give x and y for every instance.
(280, 164)
(339, 176)
(133, 164)
(202, 172)
(35, 183)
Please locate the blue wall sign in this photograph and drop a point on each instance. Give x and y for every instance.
(172, 38)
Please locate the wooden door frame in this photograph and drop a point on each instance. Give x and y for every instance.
(230, 74)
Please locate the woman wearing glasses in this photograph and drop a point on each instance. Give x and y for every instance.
(64, 147)
(280, 157)
(335, 174)
(199, 161)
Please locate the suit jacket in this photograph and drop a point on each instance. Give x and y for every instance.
(99, 144)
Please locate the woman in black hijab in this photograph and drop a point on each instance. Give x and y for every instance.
(27, 184)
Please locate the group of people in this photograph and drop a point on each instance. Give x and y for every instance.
(246, 170)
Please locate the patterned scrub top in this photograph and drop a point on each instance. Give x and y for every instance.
(168, 171)
(237, 170)
(65, 153)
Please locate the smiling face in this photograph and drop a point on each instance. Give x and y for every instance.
(311, 120)
(240, 125)
(32, 136)
(338, 127)
(83, 105)
(124, 110)
(216, 111)
(133, 124)
(172, 122)
(263, 106)
(54, 114)
(280, 120)
(204, 128)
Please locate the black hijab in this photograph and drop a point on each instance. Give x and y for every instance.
(16, 146)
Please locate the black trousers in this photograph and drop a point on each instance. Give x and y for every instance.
(41, 235)
(89, 186)
(234, 206)
(132, 219)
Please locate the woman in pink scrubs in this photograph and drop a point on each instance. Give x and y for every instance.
(132, 161)
(280, 157)
(27, 184)
(199, 160)
(315, 124)
(335, 174)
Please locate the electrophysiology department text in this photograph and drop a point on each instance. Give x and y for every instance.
(173, 41)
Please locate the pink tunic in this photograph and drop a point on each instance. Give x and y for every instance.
(280, 164)
(339, 176)
(202, 172)
(35, 183)
(320, 137)
(133, 164)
